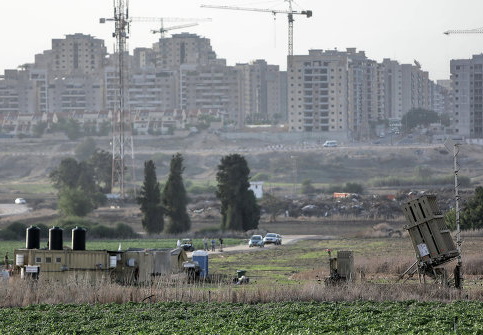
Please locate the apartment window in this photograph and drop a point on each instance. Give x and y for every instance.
(38, 259)
(48, 259)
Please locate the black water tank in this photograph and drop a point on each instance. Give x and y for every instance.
(55, 238)
(33, 238)
(78, 238)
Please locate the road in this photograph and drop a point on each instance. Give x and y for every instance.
(287, 239)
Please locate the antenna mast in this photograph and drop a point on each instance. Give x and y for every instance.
(451, 144)
(121, 123)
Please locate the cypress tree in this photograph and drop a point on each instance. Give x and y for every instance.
(239, 208)
(175, 199)
(150, 201)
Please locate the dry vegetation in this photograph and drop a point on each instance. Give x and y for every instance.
(24, 293)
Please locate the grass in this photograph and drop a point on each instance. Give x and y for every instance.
(29, 188)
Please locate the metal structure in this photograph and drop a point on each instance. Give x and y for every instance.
(121, 124)
(341, 267)
(455, 146)
(431, 240)
(464, 31)
(122, 138)
(290, 14)
(163, 30)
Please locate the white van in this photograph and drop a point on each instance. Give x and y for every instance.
(330, 143)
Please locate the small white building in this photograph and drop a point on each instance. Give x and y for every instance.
(257, 188)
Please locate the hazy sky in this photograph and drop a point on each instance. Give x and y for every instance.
(400, 30)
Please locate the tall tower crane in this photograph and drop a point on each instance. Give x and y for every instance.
(464, 31)
(290, 14)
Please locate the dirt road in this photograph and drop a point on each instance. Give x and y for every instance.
(13, 209)
(286, 239)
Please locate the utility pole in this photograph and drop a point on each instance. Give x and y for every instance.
(451, 145)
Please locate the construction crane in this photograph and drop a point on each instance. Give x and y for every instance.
(122, 139)
(164, 30)
(290, 14)
(464, 31)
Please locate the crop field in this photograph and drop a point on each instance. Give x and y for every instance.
(286, 294)
(409, 317)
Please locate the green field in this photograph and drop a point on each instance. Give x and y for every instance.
(408, 317)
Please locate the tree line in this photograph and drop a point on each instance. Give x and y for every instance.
(82, 186)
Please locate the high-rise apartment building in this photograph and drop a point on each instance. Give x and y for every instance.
(211, 87)
(318, 98)
(76, 54)
(260, 91)
(467, 84)
(182, 49)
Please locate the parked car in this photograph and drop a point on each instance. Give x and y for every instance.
(256, 241)
(20, 201)
(187, 244)
(271, 238)
(330, 143)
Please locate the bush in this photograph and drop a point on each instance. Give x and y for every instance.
(18, 229)
(124, 231)
(101, 232)
(8, 235)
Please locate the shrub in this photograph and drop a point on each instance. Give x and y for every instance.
(124, 231)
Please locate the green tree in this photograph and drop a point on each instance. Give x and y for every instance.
(66, 175)
(38, 129)
(471, 217)
(101, 161)
(85, 149)
(75, 202)
(71, 178)
(418, 117)
(175, 199)
(72, 129)
(239, 209)
(150, 200)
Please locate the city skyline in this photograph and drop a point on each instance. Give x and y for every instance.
(404, 31)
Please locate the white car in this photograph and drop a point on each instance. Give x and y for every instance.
(330, 144)
(271, 238)
(20, 201)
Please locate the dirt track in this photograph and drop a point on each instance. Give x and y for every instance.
(13, 209)
(287, 239)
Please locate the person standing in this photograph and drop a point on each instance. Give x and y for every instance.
(205, 244)
(213, 244)
(221, 243)
(5, 261)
